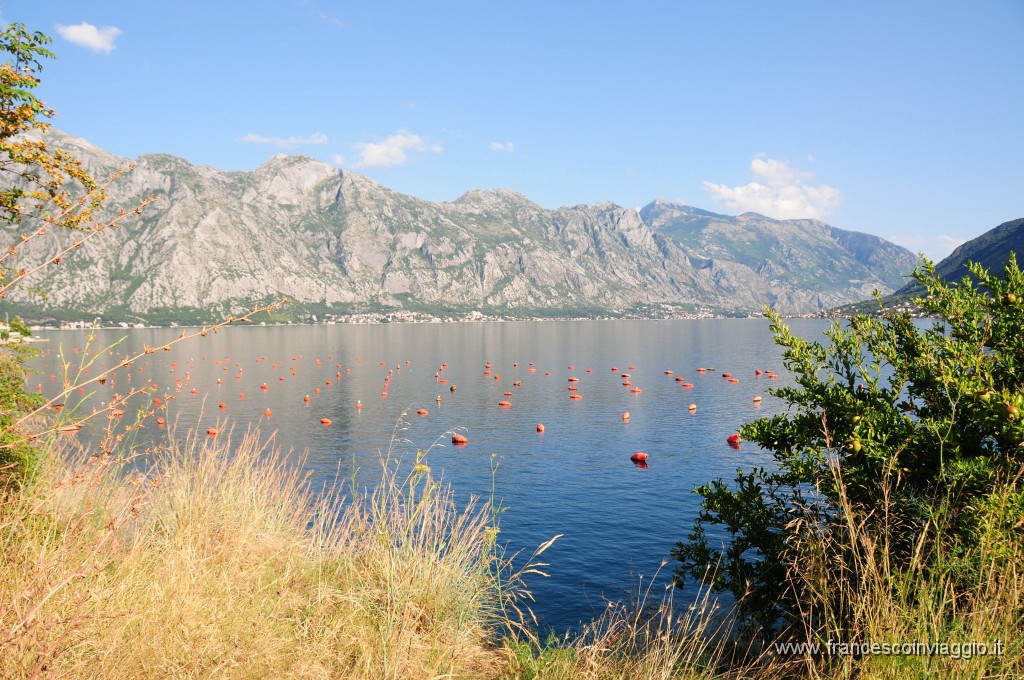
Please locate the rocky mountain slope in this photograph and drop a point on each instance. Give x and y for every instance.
(803, 262)
(337, 242)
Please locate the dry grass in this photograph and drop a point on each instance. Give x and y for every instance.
(229, 565)
(941, 596)
(212, 564)
(642, 639)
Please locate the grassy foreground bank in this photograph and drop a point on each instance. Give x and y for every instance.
(210, 564)
(217, 565)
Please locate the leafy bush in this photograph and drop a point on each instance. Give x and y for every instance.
(18, 326)
(17, 455)
(898, 446)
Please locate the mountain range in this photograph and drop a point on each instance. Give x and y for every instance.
(338, 243)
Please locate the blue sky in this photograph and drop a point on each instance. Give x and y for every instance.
(901, 119)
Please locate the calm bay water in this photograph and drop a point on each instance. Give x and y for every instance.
(618, 521)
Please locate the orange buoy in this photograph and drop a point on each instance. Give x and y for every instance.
(733, 438)
(627, 376)
(517, 383)
(359, 404)
(615, 369)
(325, 421)
(195, 391)
(540, 427)
(212, 431)
(680, 378)
(267, 413)
(263, 387)
(691, 407)
(773, 377)
(487, 372)
(734, 380)
(306, 399)
(669, 372)
(636, 390)
(758, 372)
(421, 412)
(160, 421)
(573, 388)
(701, 370)
(757, 398)
(574, 379)
(575, 395)
(504, 404)
(638, 456)
(727, 375)
(626, 383)
(686, 384)
(547, 373)
(222, 405)
(625, 416)
(241, 395)
(508, 394)
(459, 439)
(438, 400)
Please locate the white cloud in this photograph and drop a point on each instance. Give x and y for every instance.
(507, 147)
(778, 191)
(87, 35)
(337, 159)
(287, 142)
(322, 15)
(934, 248)
(393, 150)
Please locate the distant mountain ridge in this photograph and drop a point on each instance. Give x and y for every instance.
(337, 242)
(794, 254)
(991, 250)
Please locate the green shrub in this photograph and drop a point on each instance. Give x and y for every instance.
(897, 443)
(19, 326)
(18, 456)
